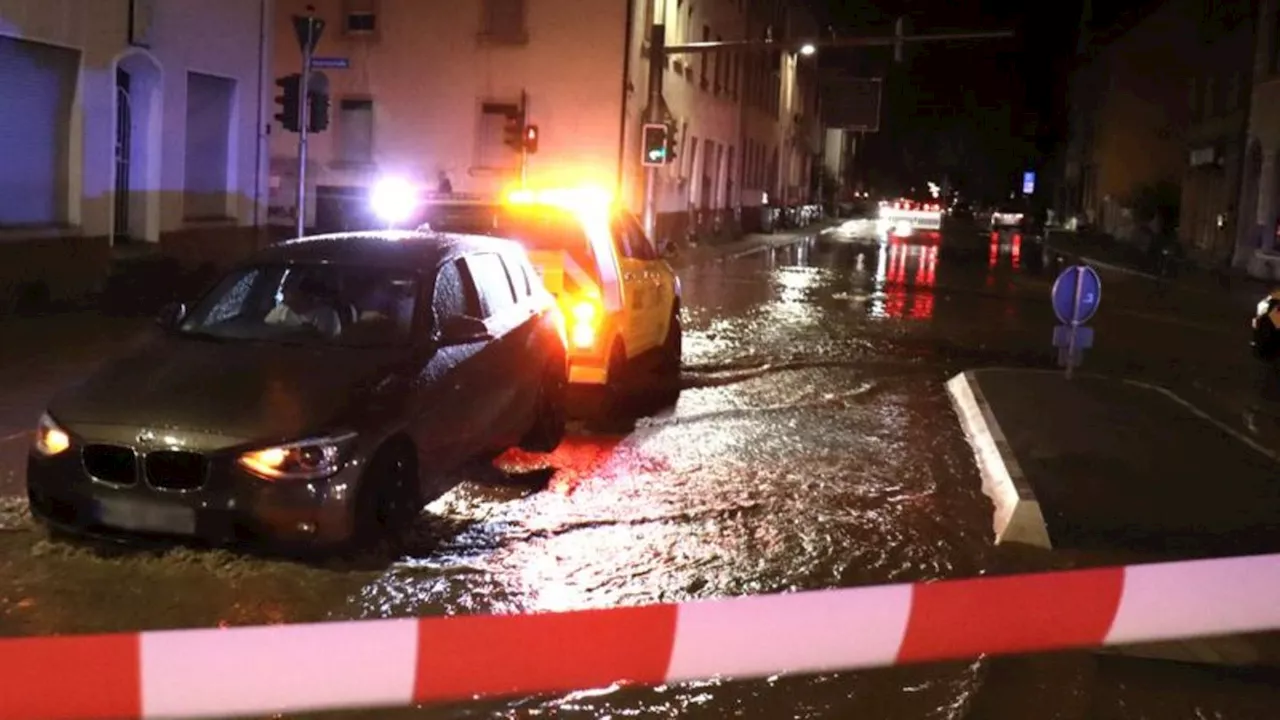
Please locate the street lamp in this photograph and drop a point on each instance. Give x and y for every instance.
(808, 49)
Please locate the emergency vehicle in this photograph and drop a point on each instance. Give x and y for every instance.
(619, 297)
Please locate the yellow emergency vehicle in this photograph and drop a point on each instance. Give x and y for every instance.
(619, 296)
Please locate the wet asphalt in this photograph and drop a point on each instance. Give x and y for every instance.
(813, 446)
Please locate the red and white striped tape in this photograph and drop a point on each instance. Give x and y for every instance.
(263, 670)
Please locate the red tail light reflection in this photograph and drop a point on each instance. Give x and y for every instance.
(1016, 253)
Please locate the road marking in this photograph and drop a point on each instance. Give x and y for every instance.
(1224, 427)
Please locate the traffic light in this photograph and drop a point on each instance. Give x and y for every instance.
(655, 146)
(317, 112)
(290, 102)
(513, 132)
(531, 139)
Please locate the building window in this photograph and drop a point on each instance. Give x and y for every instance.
(37, 87)
(355, 131)
(360, 17)
(722, 65)
(208, 147)
(492, 151)
(503, 22)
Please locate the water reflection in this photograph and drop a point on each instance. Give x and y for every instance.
(905, 277)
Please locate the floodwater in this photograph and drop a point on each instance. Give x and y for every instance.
(813, 446)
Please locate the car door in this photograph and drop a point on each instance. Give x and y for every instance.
(446, 422)
(636, 326)
(660, 277)
(499, 362)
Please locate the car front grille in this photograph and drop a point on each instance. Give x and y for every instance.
(176, 470)
(113, 464)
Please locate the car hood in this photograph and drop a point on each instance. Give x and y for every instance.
(248, 391)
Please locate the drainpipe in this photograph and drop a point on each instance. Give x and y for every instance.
(628, 34)
(258, 134)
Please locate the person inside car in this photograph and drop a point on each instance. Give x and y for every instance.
(304, 305)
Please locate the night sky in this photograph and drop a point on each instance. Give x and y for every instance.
(1000, 100)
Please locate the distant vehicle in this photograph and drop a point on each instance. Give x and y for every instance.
(316, 398)
(620, 297)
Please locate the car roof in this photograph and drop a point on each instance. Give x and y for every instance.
(383, 248)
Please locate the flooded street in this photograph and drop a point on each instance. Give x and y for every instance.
(813, 446)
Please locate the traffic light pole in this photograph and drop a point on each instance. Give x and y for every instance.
(659, 51)
(653, 114)
(304, 122)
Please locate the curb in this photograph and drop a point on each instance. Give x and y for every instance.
(1018, 518)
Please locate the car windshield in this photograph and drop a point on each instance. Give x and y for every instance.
(308, 304)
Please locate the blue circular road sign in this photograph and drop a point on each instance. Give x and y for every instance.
(1077, 293)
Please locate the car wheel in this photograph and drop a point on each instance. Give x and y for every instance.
(672, 354)
(389, 499)
(549, 424)
(1266, 340)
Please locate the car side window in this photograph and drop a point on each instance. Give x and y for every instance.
(455, 294)
(641, 243)
(630, 240)
(519, 279)
(496, 291)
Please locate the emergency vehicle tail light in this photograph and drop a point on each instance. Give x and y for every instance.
(584, 322)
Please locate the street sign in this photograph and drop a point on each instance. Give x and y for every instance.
(308, 29)
(1077, 293)
(331, 63)
(1028, 183)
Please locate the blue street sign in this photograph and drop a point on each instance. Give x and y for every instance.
(1028, 183)
(331, 63)
(1077, 293)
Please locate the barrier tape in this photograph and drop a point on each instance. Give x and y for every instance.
(375, 663)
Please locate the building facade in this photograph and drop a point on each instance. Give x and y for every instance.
(127, 125)
(427, 89)
(1218, 113)
(1257, 246)
(1128, 128)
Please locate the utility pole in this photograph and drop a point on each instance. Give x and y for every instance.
(308, 29)
(659, 51)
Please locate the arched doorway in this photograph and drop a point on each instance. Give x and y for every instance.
(135, 208)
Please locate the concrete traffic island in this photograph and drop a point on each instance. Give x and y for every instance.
(1101, 467)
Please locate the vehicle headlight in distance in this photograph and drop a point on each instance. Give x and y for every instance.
(1264, 306)
(50, 439)
(311, 459)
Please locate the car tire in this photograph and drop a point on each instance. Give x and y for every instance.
(551, 415)
(389, 499)
(1266, 340)
(671, 358)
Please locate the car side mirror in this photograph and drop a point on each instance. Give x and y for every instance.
(462, 330)
(171, 314)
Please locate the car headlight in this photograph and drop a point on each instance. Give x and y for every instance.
(310, 459)
(1264, 306)
(50, 439)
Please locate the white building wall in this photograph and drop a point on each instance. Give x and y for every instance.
(427, 71)
(220, 38)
